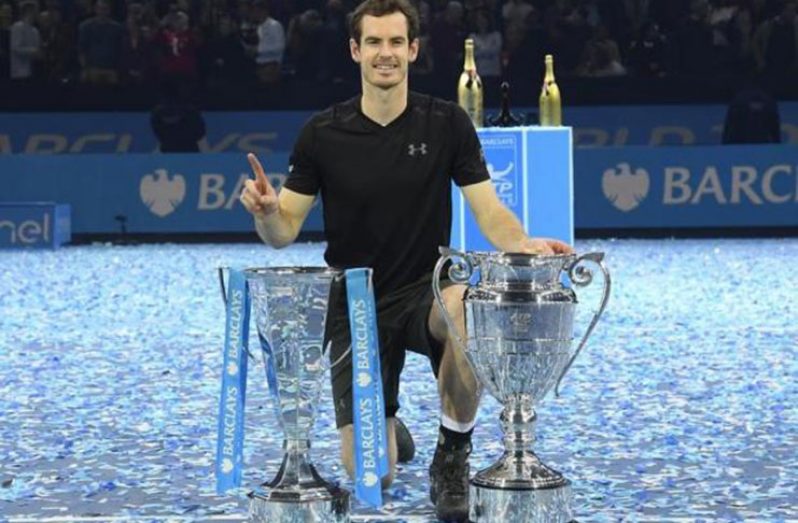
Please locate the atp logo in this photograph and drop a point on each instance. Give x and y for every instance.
(160, 193)
(623, 188)
(503, 183)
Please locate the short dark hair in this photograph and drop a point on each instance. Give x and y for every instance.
(382, 8)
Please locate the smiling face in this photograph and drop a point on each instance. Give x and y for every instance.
(384, 51)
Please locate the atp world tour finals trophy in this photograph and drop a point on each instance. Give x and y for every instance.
(519, 327)
(290, 313)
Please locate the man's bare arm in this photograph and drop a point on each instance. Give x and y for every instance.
(501, 227)
(278, 218)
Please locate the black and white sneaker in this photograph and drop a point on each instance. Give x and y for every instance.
(448, 483)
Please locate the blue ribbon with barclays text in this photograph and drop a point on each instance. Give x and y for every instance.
(371, 456)
(230, 440)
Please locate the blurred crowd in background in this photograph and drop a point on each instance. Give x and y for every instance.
(233, 48)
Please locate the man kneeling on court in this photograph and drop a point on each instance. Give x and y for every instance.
(384, 163)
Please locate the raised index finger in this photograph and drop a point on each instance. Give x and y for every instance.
(260, 176)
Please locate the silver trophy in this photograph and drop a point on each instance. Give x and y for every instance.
(519, 320)
(290, 307)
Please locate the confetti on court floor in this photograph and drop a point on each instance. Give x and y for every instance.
(684, 405)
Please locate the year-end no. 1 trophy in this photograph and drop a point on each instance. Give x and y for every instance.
(519, 328)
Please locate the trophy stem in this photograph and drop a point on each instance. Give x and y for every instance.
(519, 487)
(518, 421)
(298, 493)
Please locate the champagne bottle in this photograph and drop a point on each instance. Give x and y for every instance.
(550, 103)
(469, 89)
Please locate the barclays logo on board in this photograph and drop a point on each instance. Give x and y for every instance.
(624, 188)
(161, 194)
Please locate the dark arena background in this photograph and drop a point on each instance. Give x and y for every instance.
(124, 129)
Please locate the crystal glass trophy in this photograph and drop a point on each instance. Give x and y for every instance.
(290, 310)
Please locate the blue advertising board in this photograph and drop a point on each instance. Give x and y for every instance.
(34, 225)
(274, 132)
(175, 193)
(683, 187)
(618, 187)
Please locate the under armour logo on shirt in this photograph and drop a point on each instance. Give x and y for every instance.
(421, 148)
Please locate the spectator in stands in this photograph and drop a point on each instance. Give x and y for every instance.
(176, 121)
(100, 46)
(669, 14)
(487, 46)
(57, 44)
(776, 42)
(741, 38)
(336, 60)
(25, 43)
(248, 26)
(514, 15)
(525, 61)
(177, 49)
(649, 51)
(304, 42)
(694, 41)
(602, 57)
(567, 34)
(226, 63)
(752, 117)
(598, 62)
(424, 66)
(448, 34)
(271, 44)
(141, 54)
(6, 20)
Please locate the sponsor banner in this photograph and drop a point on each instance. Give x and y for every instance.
(674, 187)
(34, 225)
(274, 132)
(368, 413)
(618, 187)
(233, 396)
(152, 193)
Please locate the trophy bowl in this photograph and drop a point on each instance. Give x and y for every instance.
(290, 305)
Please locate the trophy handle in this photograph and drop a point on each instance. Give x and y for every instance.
(582, 277)
(223, 288)
(459, 272)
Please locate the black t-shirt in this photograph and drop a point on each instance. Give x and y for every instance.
(386, 191)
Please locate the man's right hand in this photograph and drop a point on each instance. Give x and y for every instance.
(258, 196)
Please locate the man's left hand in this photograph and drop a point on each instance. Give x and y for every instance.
(544, 246)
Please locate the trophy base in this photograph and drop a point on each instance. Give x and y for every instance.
(496, 505)
(318, 505)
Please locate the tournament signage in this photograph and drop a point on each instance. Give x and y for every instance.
(34, 224)
(613, 187)
(727, 186)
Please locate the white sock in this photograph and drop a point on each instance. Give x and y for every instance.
(457, 426)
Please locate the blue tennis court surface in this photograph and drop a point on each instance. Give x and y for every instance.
(683, 406)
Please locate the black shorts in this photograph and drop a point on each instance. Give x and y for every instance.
(402, 324)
